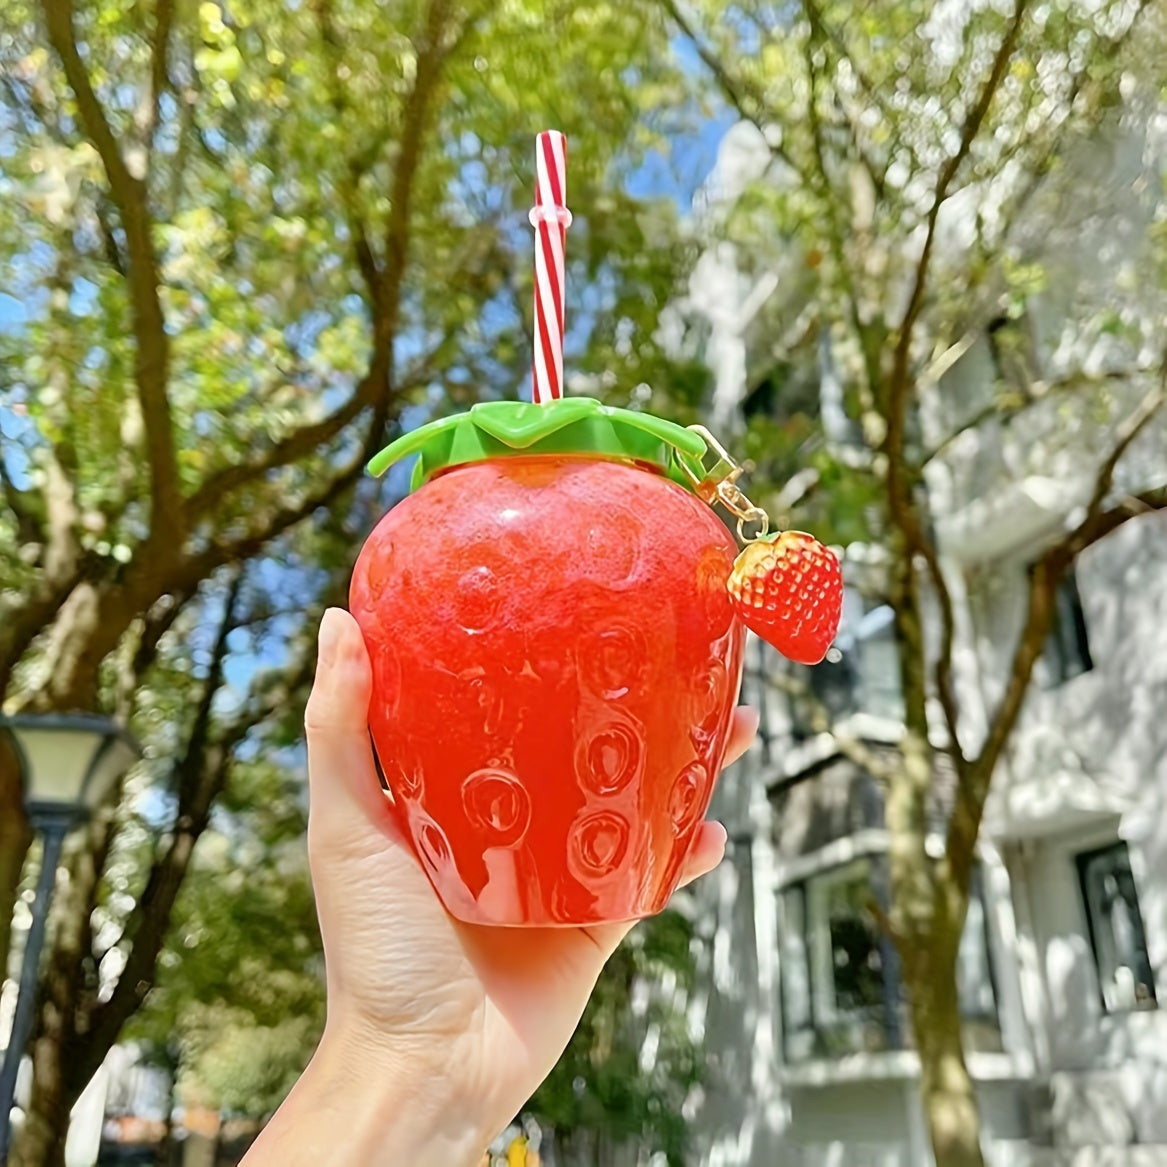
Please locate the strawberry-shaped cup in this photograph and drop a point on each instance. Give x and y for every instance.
(556, 657)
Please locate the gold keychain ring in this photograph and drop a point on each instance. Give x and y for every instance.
(718, 483)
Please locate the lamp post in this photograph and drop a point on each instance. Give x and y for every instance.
(68, 764)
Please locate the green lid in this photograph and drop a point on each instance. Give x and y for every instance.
(568, 425)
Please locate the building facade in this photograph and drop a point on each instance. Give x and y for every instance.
(1064, 961)
(1063, 965)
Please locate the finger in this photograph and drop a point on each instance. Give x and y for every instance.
(742, 731)
(707, 852)
(343, 788)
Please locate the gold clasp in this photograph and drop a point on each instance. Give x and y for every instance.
(718, 483)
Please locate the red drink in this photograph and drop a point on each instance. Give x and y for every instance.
(555, 664)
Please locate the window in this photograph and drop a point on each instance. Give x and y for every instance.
(794, 978)
(841, 990)
(848, 962)
(833, 971)
(862, 676)
(1116, 932)
(975, 984)
(973, 965)
(1067, 648)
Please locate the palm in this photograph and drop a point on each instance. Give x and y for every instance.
(497, 1005)
(506, 997)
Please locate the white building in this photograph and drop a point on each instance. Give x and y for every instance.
(1064, 964)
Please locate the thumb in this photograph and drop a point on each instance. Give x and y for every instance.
(345, 796)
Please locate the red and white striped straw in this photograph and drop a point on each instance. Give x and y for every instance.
(551, 219)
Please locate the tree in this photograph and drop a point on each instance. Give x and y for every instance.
(923, 173)
(632, 1063)
(238, 1002)
(248, 242)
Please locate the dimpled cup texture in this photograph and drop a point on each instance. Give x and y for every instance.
(555, 666)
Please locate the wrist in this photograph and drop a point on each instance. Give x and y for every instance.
(363, 1101)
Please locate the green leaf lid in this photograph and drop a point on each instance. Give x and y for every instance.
(567, 425)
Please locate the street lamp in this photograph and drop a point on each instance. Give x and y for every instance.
(68, 764)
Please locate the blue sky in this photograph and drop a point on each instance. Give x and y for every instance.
(11, 313)
(693, 157)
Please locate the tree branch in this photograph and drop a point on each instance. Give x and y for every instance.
(1127, 431)
(973, 787)
(431, 60)
(1131, 506)
(63, 566)
(366, 261)
(821, 178)
(948, 170)
(945, 689)
(62, 549)
(919, 545)
(21, 623)
(157, 622)
(902, 477)
(303, 441)
(109, 242)
(163, 23)
(199, 776)
(1037, 391)
(748, 104)
(374, 388)
(154, 624)
(874, 95)
(296, 445)
(200, 565)
(152, 345)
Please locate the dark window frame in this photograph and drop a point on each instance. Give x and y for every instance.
(1066, 653)
(1083, 861)
(891, 1013)
(976, 891)
(826, 1031)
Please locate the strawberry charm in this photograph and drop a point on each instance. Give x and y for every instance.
(789, 590)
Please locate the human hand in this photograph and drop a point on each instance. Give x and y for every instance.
(437, 1031)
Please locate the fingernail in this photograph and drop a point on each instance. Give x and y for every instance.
(328, 641)
(752, 716)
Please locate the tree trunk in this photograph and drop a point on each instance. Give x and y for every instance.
(166, 1145)
(949, 1098)
(68, 984)
(928, 903)
(42, 1141)
(15, 838)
